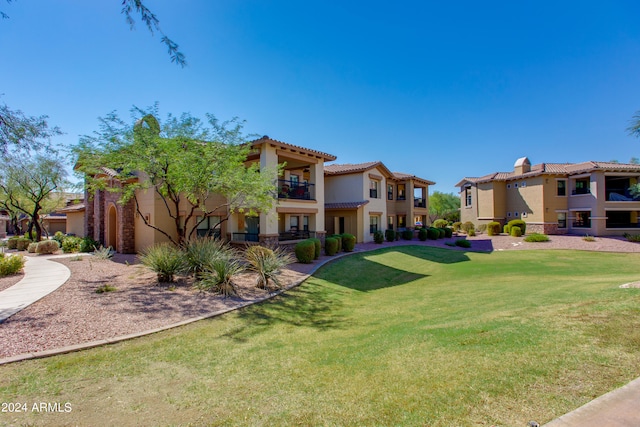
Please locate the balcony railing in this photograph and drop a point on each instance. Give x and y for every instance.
(296, 235)
(296, 190)
(623, 225)
(581, 191)
(244, 237)
(582, 224)
(419, 202)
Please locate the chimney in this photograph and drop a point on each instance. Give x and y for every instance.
(523, 165)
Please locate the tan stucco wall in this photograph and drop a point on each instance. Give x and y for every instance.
(75, 223)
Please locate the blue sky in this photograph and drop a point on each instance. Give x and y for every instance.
(438, 89)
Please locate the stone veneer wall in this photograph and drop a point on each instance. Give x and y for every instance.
(545, 229)
(126, 215)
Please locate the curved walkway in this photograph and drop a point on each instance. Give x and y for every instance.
(41, 277)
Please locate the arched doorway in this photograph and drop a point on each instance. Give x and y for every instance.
(112, 228)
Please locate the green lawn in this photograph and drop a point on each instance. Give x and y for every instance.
(399, 336)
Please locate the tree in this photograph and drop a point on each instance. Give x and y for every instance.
(444, 205)
(184, 162)
(634, 127)
(129, 7)
(29, 186)
(19, 131)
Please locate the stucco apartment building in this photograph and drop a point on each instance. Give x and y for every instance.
(366, 197)
(556, 198)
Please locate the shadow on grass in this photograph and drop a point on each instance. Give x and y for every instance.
(388, 267)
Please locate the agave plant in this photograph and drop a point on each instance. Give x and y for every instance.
(267, 263)
(218, 275)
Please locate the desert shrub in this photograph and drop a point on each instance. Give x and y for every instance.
(200, 252)
(87, 244)
(267, 263)
(305, 251)
(30, 236)
(219, 274)
(536, 237)
(448, 232)
(330, 246)
(467, 226)
(103, 253)
(632, 237)
(47, 247)
(494, 228)
(71, 244)
(588, 238)
(456, 226)
(433, 233)
(32, 247)
(22, 243)
(463, 243)
(423, 234)
(481, 228)
(407, 234)
(165, 260)
(348, 242)
(338, 237)
(518, 223)
(378, 237)
(440, 223)
(471, 232)
(58, 237)
(318, 247)
(506, 229)
(390, 235)
(515, 231)
(12, 243)
(10, 264)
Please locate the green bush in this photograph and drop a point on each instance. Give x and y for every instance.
(471, 232)
(433, 233)
(423, 234)
(318, 247)
(338, 237)
(494, 228)
(378, 237)
(441, 233)
(518, 223)
(440, 223)
(165, 260)
(267, 263)
(467, 226)
(456, 226)
(305, 251)
(632, 237)
(515, 231)
(22, 243)
(448, 232)
(71, 244)
(58, 237)
(12, 243)
(87, 244)
(463, 243)
(11, 264)
(481, 228)
(506, 229)
(536, 237)
(407, 234)
(348, 242)
(390, 235)
(32, 247)
(330, 246)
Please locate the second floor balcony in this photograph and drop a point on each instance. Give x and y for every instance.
(288, 189)
(419, 202)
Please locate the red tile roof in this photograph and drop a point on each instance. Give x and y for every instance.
(345, 205)
(405, 176)
(348, 168)
(265, 139)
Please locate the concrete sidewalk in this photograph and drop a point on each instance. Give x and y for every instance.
(41, 277)
(618, 408)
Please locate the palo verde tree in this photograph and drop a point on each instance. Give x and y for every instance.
(21, 132)
(184, 161)
(444, 205)
(32, 185)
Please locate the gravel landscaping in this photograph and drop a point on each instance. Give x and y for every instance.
(76, 313)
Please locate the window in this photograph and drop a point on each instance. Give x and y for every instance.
(402, 221)
(295, 180)
(524, 214)
(562, 188)
(562, 220)
(467, 196)
(515, 185)
(508, 185)
(389, 192)
(582, 186)
(402, 192)
(524, 184)
(373, 223)
(293, 223)
(390, 222)
(583, 219)
(373, 188)
(515, 214)
(305, 223)
(209, 226)
(509, 214)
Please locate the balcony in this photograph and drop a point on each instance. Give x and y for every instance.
(419, 202)
(295, 190)
(579, 191)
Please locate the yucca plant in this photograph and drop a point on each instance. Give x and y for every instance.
(218, 277)
(165, 260)
(267, 264)
(201, 252)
